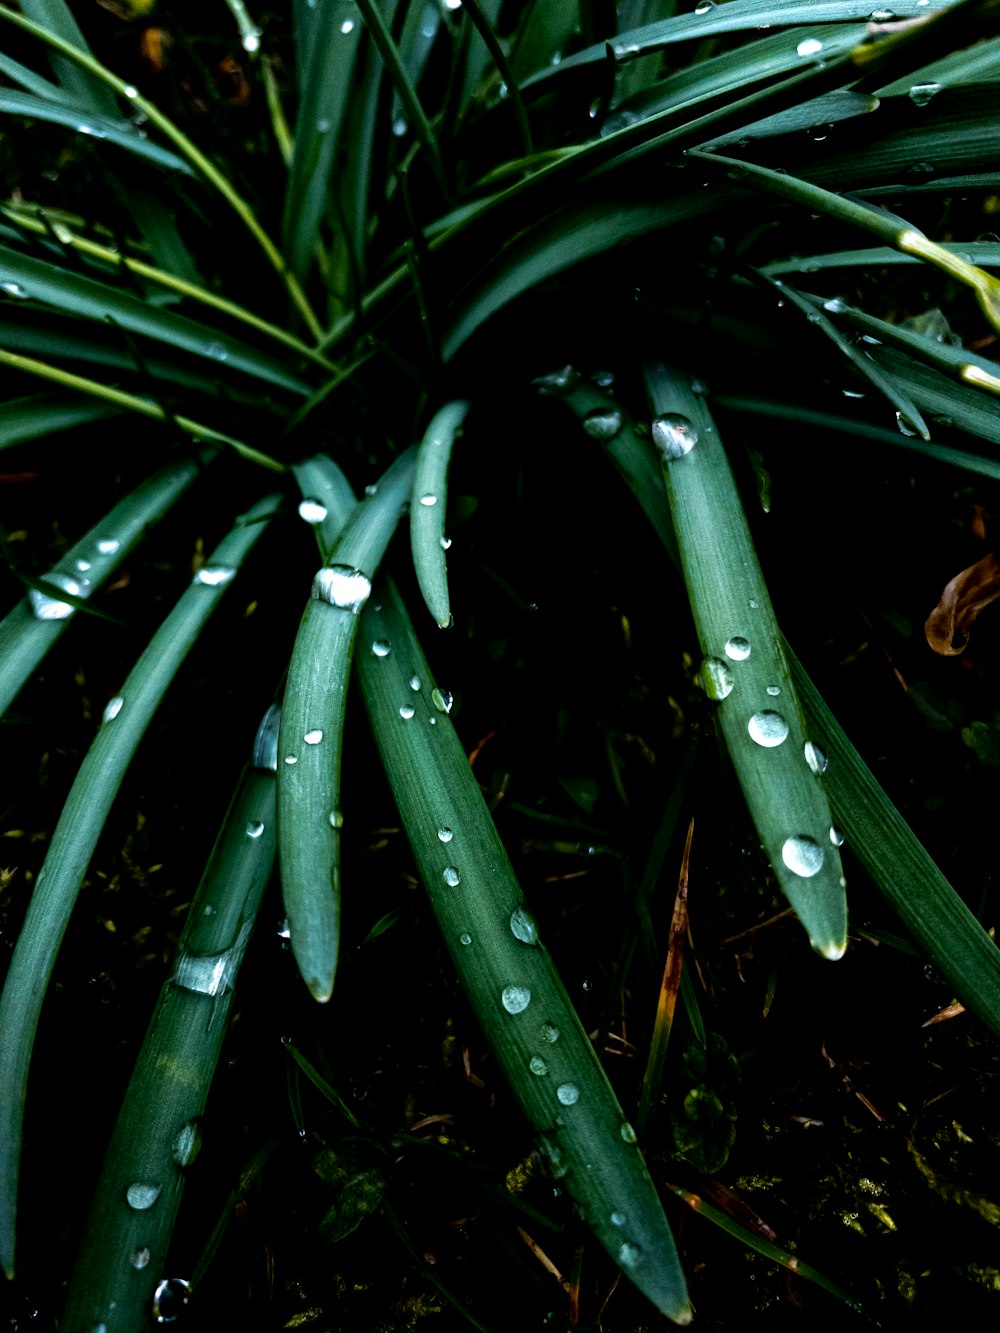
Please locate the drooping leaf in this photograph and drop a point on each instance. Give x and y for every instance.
(964, 597)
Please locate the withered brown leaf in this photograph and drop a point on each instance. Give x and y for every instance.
(967, 594)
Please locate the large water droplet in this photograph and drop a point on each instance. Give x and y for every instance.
(802, 855)
(810, 47)
(343, 587)
(523, 926)
(187, 1144)
(215, 576)
(406, 712)
(767, 728)
(815, 757)
(451, 876)
(628, 1133)
(836, 837)
(445, 834)
(603, 423)
(291, 759)
(737, 649)
(618, 1219)
(139, 1258)
(716, 678)
(774, 690)
(251, 41)
(630, 1255)
(428, 501)
(549, 1032)
(568, 1094)
(415, 683)
(255, 828)
(445, 543)
(705, 8)
(14, 289)
(442, 700)
(313, 737)
(108, 546)
(921, 93)
(169, 1299)
(347, 26)
(44, 607)
(313, 511)
(674, 435)
(112, 708)
(465, 938)
(336, 819)
(141, 1196)
(381, 648)
(538, 1066)
(515, 999)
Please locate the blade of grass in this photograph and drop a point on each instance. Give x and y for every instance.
(121, 133)
(57, 16)
(312, 723)
(80, 245)
(144, 406)
(985, 254)
(760, 1245)
(45, 414)
(776, 762)
(157, 1136)
(126, 718)
(508, 976)
(39, 280)
(205, 168)
(480, 21)
(415, 114)
(27, 634)
(427, 510)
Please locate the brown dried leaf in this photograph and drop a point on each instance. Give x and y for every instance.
(967, 594)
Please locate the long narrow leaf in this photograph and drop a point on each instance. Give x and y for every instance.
(121, 133)
(33, 626)
(312, 723)
(44, 414)
(122, 1258)
(427, 512)
(125, 720)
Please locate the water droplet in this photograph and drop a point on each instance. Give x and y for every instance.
(515, 999)
(251, 41)
(313, 737)
(767, 728)
(108, 546)
(323, 125)
(381, 648)
(674, 435)
(217, 351)
(716, 678)
(705, 7)
(815, 757)
(628, 1133)
(44, 607)
(802, 855)
(465, 938)
(406, 712)
(549, 1032)
(445, 834)
(603, 423)
(215, 576)
(810, 47)
(774, 690)
(737, 649)
(187, 1144)
(169, 1299)
(313, 511)
(130, 91)
(442, 700)
(445, 543)
(523, 926)
(14, 289)
(336, 819)
(347, 26)
(428, 500)
(618, 1219)
(568, 1094)
(753, 604)
(81, 566)
(560, 382)
(92, 130)
(255, 828)
(291, 759)
(881, 16)
(905, 425)
(140, 1196)
(399, 126)
(140, 1258)
(836, 837)
(629, 1256)
(343, 587)
(112, 708)
(415, 683)
(284, 930)
(451, 876)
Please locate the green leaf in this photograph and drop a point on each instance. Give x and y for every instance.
(778, 765)
(427, 510)
(45, 414)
